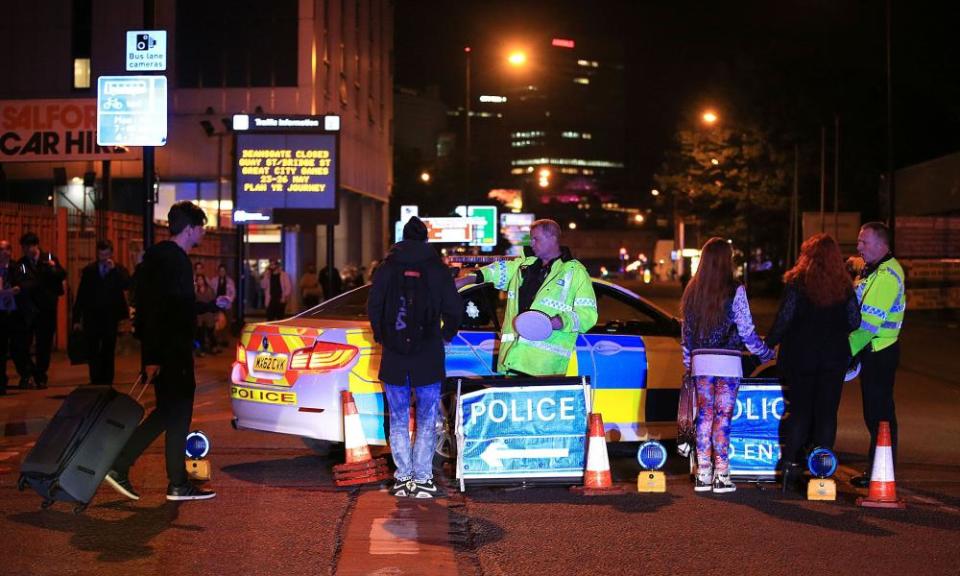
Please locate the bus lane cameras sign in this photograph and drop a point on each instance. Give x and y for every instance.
(523, 432)
(146, 50)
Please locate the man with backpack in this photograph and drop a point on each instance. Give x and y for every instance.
(412, 293)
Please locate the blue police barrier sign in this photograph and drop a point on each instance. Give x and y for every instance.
(522, 432)
(755, 431)
(131, 110)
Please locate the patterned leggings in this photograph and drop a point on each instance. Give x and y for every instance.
(716, 399)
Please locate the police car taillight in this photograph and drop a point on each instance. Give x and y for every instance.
(241, 354)
(323, 356)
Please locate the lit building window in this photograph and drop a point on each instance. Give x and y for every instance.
(81, 73)
(587, 136)
(588, 63)
(517, 171)
(567, 162)
(570, 134)
(583, 81)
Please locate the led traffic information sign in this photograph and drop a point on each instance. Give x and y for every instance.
(286, 169)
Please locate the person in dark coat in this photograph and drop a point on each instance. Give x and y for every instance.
(165, 321)
(100, 306)
(421, 372)
(41, 284)
(330, 290)
(7, 308)
(817, 312)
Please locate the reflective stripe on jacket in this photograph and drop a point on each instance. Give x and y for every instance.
(567, 291)
(882, 306)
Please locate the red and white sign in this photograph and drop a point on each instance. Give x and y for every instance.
(54, 130)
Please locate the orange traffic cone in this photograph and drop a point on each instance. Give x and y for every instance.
(353, 438)
(360, 467)
(883, 486)
(597, 480)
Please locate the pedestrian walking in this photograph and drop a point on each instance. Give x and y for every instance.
(225, 287)
(165, 322)
(309, 286)
(7, 309)
(41, 282)
(331, 287)
(206, 321)
(818, 311)
(277, 290)
(880, 290)
(717, 325)
(550, 282)
(414, 311)
(100, 306)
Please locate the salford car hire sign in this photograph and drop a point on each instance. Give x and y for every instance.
(531, 432)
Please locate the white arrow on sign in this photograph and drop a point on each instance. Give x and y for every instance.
(498, 451)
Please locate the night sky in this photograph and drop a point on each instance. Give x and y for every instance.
(793, 65)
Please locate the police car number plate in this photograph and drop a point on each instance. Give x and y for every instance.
(276, 364)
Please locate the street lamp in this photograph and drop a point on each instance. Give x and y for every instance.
(210, 131)
(425, 177)
(709, 117)
(466, 134)
(517, 58)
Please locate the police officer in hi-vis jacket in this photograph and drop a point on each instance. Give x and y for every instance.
(880, 289)
(551, 282)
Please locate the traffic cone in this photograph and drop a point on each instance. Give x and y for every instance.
(597, 480)
(883, 486)
(354, 440)
(360, 467)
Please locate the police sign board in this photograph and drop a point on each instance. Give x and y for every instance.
(755, 430)
(522, 432)
(131, 110)
(146, 50)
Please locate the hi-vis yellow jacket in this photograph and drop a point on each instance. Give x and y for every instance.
(882, 306)
(567, 291)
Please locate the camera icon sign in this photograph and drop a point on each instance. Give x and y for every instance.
(145, 42)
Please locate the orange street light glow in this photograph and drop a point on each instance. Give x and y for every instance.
(709, 117)
(517, 58)
(424, 177)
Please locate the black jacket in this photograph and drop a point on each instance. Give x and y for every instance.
(101, 300)
(813, 336)
(427, 365)
(166, 304)
(40, 285)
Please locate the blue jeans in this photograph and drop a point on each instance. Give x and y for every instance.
(417, 462)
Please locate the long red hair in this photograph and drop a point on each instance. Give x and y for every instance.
(707, 293)
(820, 272)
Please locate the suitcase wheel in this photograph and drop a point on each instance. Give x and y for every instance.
(79, 509)
(46, 504)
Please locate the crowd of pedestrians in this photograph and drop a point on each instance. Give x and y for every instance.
(832, 316)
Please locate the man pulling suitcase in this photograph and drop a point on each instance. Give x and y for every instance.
(165, 319)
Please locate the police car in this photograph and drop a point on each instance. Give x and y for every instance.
(288, 374)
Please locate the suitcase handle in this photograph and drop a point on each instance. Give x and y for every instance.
(142, 381)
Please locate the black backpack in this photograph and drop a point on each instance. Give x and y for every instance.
(407, 311)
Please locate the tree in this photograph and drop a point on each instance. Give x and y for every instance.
(731, 181)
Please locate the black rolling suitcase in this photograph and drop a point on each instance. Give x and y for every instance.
(76, 450)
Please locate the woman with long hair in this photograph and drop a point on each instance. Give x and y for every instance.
(717, 325)
(817, 312)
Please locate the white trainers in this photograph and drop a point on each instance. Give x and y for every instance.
(703, 482)
(722, 484)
